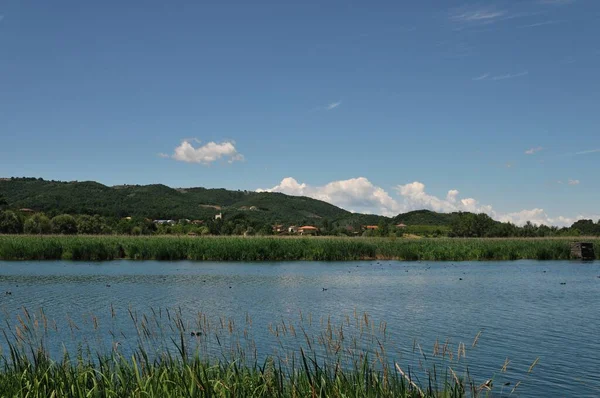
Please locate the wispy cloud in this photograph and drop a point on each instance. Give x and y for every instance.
(535, 25)
(588, 152)
(488, 76)
(510, 75)
(533, 150)
(163, 155)
(573, 182)
(333, 105)
(482, 77)
(556, 2)
(476, 15)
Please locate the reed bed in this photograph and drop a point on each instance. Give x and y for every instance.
(98, 248)
(169, 355)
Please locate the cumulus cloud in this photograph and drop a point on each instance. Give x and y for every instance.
(451, 196)
(362, 196)
(356, 194)
(533, 150)
(205, 154)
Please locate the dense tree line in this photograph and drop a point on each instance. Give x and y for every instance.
(469, 225)
(464, 225)
(260, 222)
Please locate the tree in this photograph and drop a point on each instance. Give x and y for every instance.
(587, 227)
(325, 226)
(482, 225)
(37, 224)
(383, 228)
(10, 223)
(91, 225)
(64, 224)
(3, 202)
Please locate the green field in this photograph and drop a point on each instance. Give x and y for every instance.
(96, 248)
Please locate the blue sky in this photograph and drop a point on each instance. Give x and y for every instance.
(374, 107)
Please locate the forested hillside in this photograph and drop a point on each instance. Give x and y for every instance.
(131, 209)
(162, 202)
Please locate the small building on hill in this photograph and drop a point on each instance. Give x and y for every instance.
(219, 216)
(371, 227)
(164, 222)
(27, 211)
(278, 228)
(308, 230)
(401, 225)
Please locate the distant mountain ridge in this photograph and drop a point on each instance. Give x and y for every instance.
(159, 201)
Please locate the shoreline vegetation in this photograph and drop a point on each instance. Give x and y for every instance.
(230, 248)
(37, 206)
(171, 355)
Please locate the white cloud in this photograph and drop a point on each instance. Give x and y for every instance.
(487, 76)
(207, 153)
(482, 77)
(476, 15)
(361, 196)
(163, 155)
(533, 150)
(535, 25)
(333, 105)
(556, 2)
(573, 182)
(451, 196)
(356, 194)
(510, 75)
(587, 152)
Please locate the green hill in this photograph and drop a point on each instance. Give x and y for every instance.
(425, 217)
(162, 202)
(241, 210)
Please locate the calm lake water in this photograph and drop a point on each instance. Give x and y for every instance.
(525, 309)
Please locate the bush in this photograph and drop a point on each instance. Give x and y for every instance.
(64, 225)
(37, 224)
(10, 223)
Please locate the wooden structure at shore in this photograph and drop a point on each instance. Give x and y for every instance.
(583, 251)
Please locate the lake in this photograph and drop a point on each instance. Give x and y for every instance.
(523, 309)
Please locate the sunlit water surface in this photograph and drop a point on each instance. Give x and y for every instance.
(524, 310)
